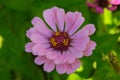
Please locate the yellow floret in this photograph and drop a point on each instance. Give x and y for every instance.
(65, 42)
(52, 40)
(57, 33)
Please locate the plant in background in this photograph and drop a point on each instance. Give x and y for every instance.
(99, 5)
(61, 45)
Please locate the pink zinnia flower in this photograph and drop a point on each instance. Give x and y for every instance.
(60, 45)
(99, 5)
(115, 2)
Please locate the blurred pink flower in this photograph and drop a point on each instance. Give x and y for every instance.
(61, 45)
(115, 2)
(99, 5)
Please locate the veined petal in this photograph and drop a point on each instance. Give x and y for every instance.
(76, 53)
(76, 64)
(49, 66)
(40, 26)
(39, 60)
(80, 43)
(91, 28)
(37, 38)
(77, 23)
(61, 19)
(91, 46)
(69, 69)
(31, 31)
(39, 48)
(69, 21)
(49, 17)
(81, 33)
(58, 60)
(70, 57)
(61, 68)
(64, 57)
(52, 55)
(28, 47)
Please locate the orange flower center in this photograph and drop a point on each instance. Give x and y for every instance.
(60, 41)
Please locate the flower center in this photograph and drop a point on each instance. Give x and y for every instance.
(103, 3)
(60, 41)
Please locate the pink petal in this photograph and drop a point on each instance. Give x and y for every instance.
(55, 9)
(52, 55)
(58, 60)
(115, 2)
(70, 57)
(61, 19)
(69, 69)
(90, 4)
(76, 64)
(30, 32)
(40, 60)
(40, 26)
(69, 21)
(77, 23)
(28, 47)
(39, 49)
(64, 57)
(80, 43)
(112, 8)
(91, 28)
(49, 17)
(91, 46)
(37, 38)
(61, 68)
(76, 53)
(49, 66)
(99, 9)
(81, 33)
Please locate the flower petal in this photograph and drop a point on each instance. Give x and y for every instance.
(69, 69)
(115, 2)
(40, 60)
(91, 46)
(37, 38)
(61, 19)
(81, 33)
(64, 57)
(112, 8)
(69, 21)
(91, 28)
(76, 53)
(61, 68)
(90, 4)
(39, 49)
(52, 55)
(49, 17)
(30, 32)
(40, 26)
(28, 47)
(80, 43)
(49, 66)
(70, 57)
(58, 60)
(77, 23)
(99, 9)
(76, 64)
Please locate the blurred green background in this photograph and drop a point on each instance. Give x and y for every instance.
(16, 64)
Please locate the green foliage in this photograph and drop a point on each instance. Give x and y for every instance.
(16, 64)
